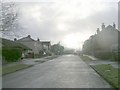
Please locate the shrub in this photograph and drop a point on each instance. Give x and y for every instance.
(115, 56)
(11, 54)
(103, 55)
(41, 53)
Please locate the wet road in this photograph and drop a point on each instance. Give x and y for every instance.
(67, 71)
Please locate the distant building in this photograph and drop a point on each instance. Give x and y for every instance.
(46, 45)
(105, 40)
(108, 37)
(35, 45)
(119, 15)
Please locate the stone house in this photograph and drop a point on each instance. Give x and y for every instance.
(46, 45)
(36, 46)
(104, 42)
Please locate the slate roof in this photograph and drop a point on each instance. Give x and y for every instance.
(25, 39)
(12, 44)
(29, 39)
(45, 42)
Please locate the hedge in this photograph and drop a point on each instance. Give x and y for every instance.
(11, 54)
(107, 55)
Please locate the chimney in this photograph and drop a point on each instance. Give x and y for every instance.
(114, 25)
(103, 26)
(98, 30)
(38, 39)
(15, 39)
(29, 36)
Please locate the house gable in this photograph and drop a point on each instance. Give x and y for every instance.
(26, 39)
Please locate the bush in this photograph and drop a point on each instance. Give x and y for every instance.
(48, 53)
(11, 54)
(41, 53)
(103, 55)
(115, 56)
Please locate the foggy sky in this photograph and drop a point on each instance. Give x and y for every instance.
(67, 21)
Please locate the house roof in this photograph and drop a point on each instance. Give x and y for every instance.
(109, 27)
(25, 39)
(45, 42)
(12, 44)
(28, 39)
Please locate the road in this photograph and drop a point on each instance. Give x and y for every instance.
(67, 71)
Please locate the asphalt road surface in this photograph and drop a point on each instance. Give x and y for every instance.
(67, 71)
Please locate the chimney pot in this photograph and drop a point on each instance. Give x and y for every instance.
(15, 39)
(29, 36)
(103, 26)
(114, 25)
(38, 39)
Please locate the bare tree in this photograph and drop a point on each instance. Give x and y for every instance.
(9, 25)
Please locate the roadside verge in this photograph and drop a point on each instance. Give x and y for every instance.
(109, 73)
(14, 68)
(106, 71)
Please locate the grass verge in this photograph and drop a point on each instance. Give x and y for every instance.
(10, 69)
(85, 58)
(109, 73)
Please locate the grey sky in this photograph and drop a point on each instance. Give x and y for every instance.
(68, 21)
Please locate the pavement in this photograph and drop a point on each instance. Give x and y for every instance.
(96, 61)
(28, 61)
(67, 71)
